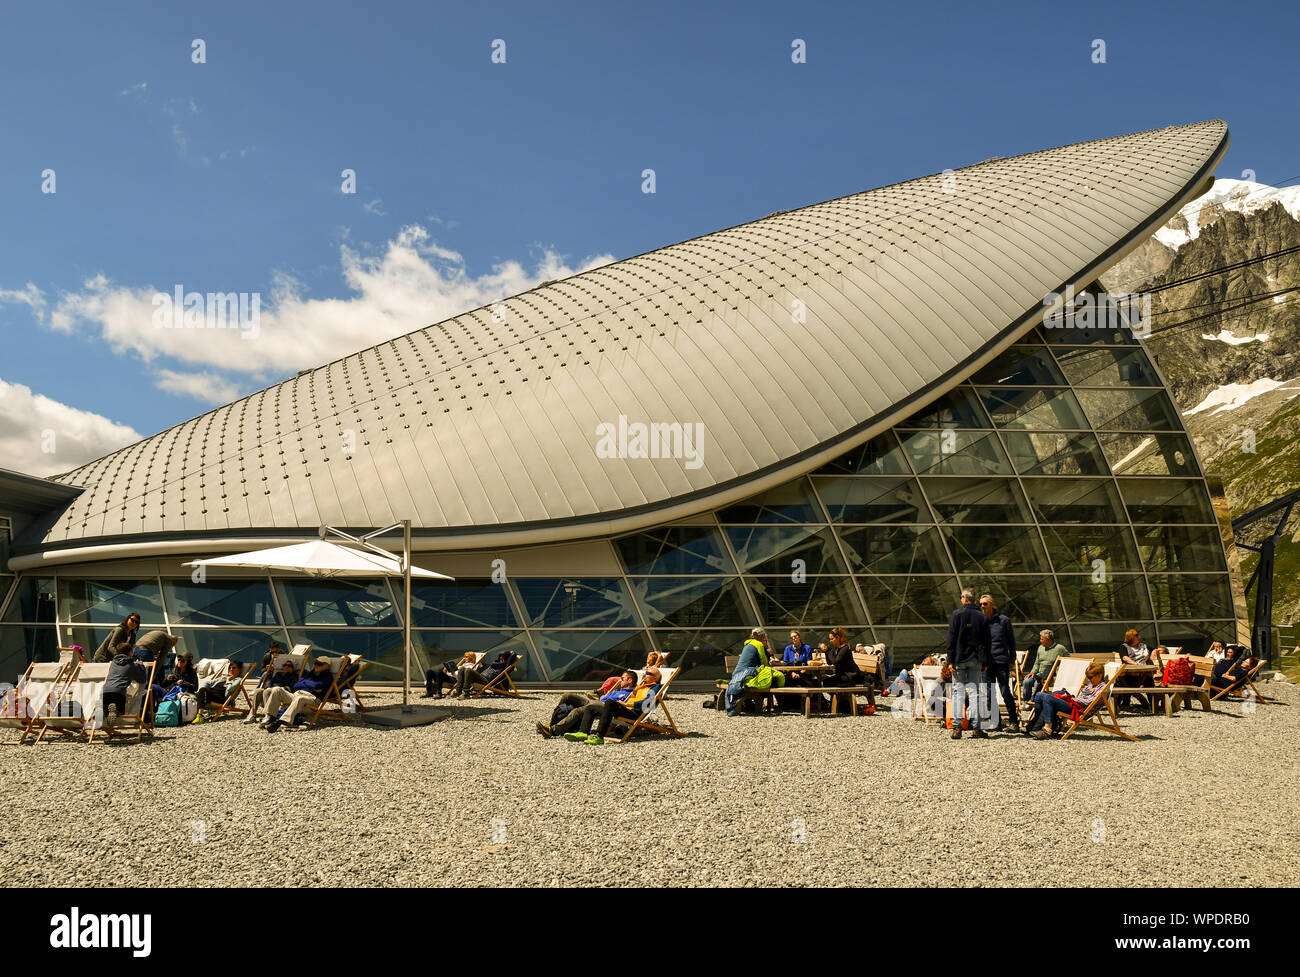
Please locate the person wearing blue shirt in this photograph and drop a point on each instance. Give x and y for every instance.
(796, 652)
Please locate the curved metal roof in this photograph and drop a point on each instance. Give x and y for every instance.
(483, 431)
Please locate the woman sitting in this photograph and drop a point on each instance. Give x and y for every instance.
(1232, 672)
(1048, 706)
(603, 714)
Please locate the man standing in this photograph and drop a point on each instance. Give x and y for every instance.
(1039, 665)
(968, 654)
(1002, 652)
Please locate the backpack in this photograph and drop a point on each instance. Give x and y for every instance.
(168, 713)
(1178, 671)
(189, 706)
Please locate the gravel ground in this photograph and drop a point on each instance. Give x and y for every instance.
(479, 798)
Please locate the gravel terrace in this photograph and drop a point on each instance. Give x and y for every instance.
(478, 798)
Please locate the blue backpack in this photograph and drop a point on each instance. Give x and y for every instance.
(168, 712)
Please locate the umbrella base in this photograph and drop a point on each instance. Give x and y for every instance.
(394, 717)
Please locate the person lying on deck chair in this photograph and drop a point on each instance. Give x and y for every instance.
(568, 711)
(444, 674)
(468, 675)
(307, 691)
(1048, 706)
(1231, 673)
(603, 714)
(283, 679)
(215, 691)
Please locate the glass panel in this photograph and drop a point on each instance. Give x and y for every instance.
(1198, 595)
(1021, 366)
(675, 550)
(1117, 598)
(1108, 636)
(959, 407)
(976, 500)
(1052, 453)
(1166, 500)
(1021, 598)
(1064, 500)
(34, 602)
(219, 601)
(819, 601)
(773, 549)
(896, 549)
(1195, 637)
(873, 499)
(1072, 549)
(995, 549)
(879, 456)
(356, 603)
(461, 603)
(243, 644)
(109, 601)
(1075, 336)
(691, 602)
(792, 502)
(1033, 408)
(910, 599)
(1149, 454)
(1180, 548)
(382, 648)
(447, 647)
(1107, 366)
(577, 602)
(701, 653)
(910, 646)
(1122, 409)
(589, 657)
(21, 645)
(953, 452)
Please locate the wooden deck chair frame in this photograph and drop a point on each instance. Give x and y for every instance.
(919, 701)
(644, 721)
(333, 695)
(499, 684)
(1090, 715)
(228, 705)
(57, 683)
(138, 720)
(351, 682)
(1235, 690)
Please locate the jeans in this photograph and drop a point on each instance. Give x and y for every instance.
(1046, 707)
(968, 680)
(1002, 675)
(736, 688)
(1030, 686)
(435, 678)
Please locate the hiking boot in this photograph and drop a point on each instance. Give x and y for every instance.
(298, 721)
(956, 732)
(979, 734)
(272, 725)
(545, 730)
(1041, 734)
(594, 740)
(252, 719)
(576, 737)
(199, 718)
(110, 717)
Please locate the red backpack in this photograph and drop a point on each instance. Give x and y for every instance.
(1178, 671)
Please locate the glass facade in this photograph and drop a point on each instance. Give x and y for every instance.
(1058, 478)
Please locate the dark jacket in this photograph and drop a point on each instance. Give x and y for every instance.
(121, 673)
(846, 671)
(1002, 639)
(282, 680)
(317, 685)
(968, 636)
(186, 678)
(498, 665)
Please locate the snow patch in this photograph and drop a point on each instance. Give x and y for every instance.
(1243, 196)
(1226, 336)
(1230, 396)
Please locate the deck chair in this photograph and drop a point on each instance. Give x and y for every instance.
(1235, 691)
(39, 689)
(500, 684)
(218, 670)
(350, 683)
(928, 693)
(334, 694)
(298, 656)
(139, 713)
(1092, 717)
(649, 718)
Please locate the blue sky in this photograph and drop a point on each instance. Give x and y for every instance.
(475, 180)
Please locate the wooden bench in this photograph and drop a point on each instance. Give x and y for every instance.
(834, 691)
(762, 696)
(1176, 697)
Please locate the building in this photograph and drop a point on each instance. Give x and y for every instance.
(832, 415)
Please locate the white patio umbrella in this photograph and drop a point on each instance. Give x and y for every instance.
(325, 558)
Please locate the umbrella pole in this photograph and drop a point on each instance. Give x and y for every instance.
(406, 613)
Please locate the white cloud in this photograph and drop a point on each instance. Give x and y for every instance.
(207, 387)
(30, 423)
(29, 295)
(408, 283)
(135, 89)
(375, 207)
